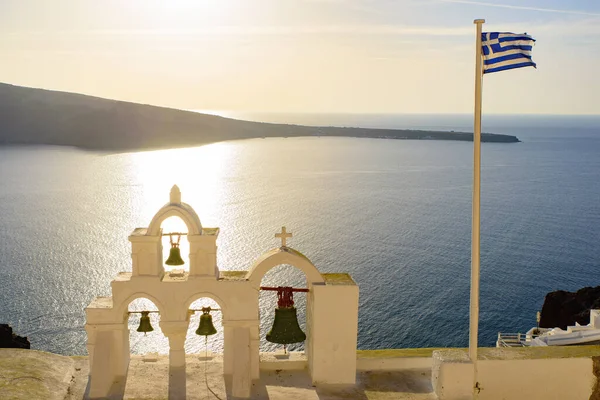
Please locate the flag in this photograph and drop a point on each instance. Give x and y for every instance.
(497, 51)
(503, 50)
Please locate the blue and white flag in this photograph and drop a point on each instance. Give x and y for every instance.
(503, 50)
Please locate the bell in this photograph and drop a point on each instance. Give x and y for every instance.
(206, 327)
(285, 328)
(145, 323)
(175, 253)
(174, 257)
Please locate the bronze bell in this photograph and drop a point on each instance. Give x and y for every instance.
(206, 327)
(145, 325)
(285, 328)
(174, 253)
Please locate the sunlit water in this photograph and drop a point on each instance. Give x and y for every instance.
(395, 214)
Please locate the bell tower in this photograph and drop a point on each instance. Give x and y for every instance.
(331, 309)
(147, 250)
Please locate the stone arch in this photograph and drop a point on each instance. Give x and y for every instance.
(200, 295)
(284, 255)
(136, 342)
(199, 344)
(124, 306)
(183, 211)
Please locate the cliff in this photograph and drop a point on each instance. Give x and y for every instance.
(10, 340)
(36, 116)
(562, 309)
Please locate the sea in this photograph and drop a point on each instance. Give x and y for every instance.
(395, 214)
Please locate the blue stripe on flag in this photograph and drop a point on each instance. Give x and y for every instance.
(511, 66)
(513, 38)
(506, 58)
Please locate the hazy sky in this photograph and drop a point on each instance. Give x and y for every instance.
(388, 56)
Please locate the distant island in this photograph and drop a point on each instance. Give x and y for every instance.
(31, 116)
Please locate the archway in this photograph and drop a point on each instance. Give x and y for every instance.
(175, 224)
(148, 351)
(205, 354)
(204, 346)
(284, 255)
(151, 342)
(175, 208)
(288, 256)
(281, 275)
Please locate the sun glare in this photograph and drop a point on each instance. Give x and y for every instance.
(178, 11)
(199, 173)
(209, 6)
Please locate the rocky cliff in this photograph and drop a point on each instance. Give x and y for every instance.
(562, 309)
(9, 340)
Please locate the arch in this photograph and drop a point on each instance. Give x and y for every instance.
(181, 210)
(283, 255)
(123, 307)
(197, 296)
(195, 344)
(137, 343)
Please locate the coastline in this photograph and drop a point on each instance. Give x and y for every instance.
(410, 135)
(44, 117)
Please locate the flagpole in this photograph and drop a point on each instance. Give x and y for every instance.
(474, 307)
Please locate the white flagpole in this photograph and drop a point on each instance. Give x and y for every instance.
(474, 309)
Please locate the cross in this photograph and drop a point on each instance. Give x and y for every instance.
(283, 236)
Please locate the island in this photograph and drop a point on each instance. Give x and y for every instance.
(30, 116)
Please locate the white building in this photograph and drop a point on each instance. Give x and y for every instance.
(331, 314)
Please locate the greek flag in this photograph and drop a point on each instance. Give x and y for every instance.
(503, 50)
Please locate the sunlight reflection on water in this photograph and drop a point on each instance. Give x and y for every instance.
(200, 173)
(200, 170)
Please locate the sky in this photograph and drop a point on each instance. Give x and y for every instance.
(325, 56)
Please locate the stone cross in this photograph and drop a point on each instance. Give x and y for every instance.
(283, 236)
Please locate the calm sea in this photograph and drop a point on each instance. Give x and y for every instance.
(395, 214)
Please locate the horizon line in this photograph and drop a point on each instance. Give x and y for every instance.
(216, 112)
